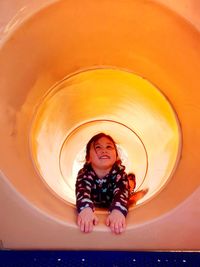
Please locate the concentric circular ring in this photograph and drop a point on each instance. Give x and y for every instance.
(74, 155)
(120, 103)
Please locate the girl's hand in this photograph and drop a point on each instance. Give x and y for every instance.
(86, 219)
(116, 221)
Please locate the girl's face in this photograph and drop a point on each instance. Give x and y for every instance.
(102, 154)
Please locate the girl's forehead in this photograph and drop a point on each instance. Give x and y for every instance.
(104, 139)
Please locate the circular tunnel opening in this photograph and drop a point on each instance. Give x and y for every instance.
(122, 104)
(138, 38)
(74, 154)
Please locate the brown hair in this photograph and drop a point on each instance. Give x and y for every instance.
(94, 139)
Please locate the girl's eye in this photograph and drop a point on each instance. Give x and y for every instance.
(97, 147)
(110, 147)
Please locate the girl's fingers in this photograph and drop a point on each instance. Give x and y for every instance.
(123, 227)
(96, 220)
(124, 224)
(82, 226)
(108, 221)
(79, 220)
(86, 225)
(86, 228)
(117, 227)
(112, 226)
(90, 227)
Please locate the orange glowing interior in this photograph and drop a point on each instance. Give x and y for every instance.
(120, 103)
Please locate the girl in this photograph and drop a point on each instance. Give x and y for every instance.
(102, 182)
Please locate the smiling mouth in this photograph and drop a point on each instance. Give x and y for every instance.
(104, 157)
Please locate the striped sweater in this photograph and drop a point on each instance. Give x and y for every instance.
(111, 192)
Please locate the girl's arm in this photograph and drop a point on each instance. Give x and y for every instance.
(121, 194)
(85, 207)
(83, 192)
(118, 210)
